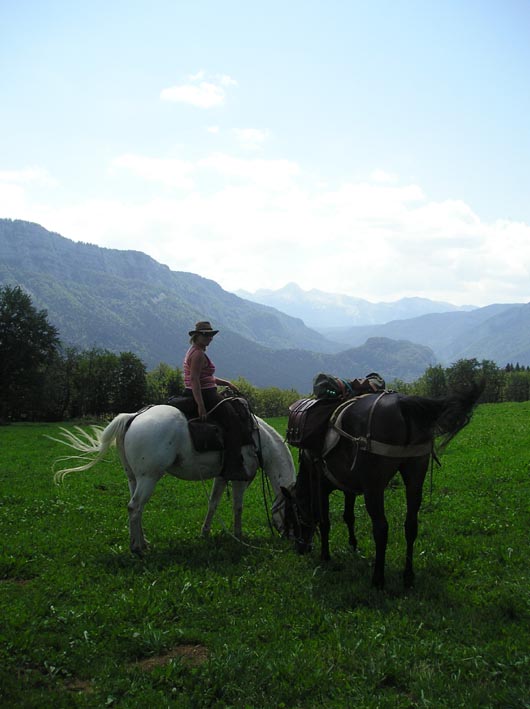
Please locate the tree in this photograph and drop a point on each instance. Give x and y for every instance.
(27, 341)
(95, 383)
(494, 379)
(462, 373)
(131, 387)
(163, 382)
(517, 386)
(433, 382)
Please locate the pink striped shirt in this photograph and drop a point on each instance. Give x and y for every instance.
(206, 377)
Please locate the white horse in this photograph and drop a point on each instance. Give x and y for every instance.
(157, 441)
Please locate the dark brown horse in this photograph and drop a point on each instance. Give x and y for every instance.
(370, 439)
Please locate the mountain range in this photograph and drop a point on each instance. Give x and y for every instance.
(499, 332)
(126, 301)
(319, 309)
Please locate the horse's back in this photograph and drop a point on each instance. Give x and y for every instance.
(377, 416)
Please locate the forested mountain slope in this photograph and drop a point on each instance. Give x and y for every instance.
(500, 333)
(126, 301)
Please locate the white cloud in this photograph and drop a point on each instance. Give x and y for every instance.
(16, 187)
(250, 138)
(378, 175)
(269, 174)
(12, 200)
(199, 92)
(170, 172)
(27, 175)
(264, 223)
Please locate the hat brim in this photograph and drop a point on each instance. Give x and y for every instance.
(203, 332)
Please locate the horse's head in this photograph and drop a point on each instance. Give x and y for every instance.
(285, 513)
(302, 506)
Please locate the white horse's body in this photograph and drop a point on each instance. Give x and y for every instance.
(156, 441)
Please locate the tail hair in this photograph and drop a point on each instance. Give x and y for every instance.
(448, 415)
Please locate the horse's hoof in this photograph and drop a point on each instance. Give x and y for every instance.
(408, 581)
(140, 550)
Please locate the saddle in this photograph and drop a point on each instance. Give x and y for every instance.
(309, 418)
(208, 435)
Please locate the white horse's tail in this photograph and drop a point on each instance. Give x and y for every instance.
(94, 444)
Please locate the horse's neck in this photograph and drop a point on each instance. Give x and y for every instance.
(277, 460)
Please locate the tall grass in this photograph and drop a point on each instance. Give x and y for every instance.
(215, 623)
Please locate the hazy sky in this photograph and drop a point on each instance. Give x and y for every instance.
(379, 149)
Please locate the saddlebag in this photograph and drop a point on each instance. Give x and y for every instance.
(206, 436)
(308, 422)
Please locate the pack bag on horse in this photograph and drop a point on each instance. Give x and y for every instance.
(209, 436)
(309, 418)
(369, 439)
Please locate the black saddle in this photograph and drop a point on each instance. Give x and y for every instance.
(208, 435)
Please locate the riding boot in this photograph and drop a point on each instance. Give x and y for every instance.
(233, 467)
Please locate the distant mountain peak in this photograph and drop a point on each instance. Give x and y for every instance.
(319, 309)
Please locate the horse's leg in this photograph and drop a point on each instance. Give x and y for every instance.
(413, 474)
(218, 488)
(325, 525)
(143, 491)
(238, 491)
(349, 518)
(375, 505)
(131, 477)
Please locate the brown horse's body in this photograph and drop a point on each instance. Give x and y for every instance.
(402, 430)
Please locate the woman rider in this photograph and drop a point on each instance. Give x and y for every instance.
(201, 384)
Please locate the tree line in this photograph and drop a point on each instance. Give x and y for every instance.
(42, 380)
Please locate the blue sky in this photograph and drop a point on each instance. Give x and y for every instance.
(375, 149)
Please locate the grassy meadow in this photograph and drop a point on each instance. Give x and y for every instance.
(218, 623)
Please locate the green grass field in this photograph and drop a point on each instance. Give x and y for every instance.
(216, 623)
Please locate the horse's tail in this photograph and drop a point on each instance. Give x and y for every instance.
(445, 416)
(93, 444)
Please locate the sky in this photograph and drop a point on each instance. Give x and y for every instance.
(374, 149)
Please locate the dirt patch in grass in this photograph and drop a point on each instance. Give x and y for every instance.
(189, 654)
(80, 685)
(193, 655)
(17, 581)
